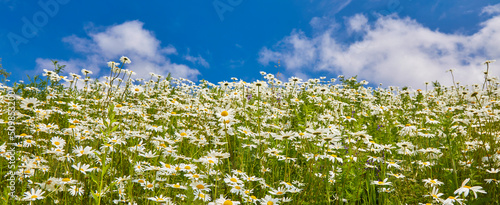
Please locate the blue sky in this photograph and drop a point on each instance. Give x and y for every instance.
(394, 42)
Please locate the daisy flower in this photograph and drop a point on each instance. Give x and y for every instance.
(432, 182)
(33, 195)
(125, 60)
(435, 194)
(232, 179)
(200, 186)
(268, 200)
(202, 196)
(177, 186)
(465, 189)
(382, 182)
(160, 199)
(84, 168)
(74, 190)
(30, 103)
(278, 192)
(58, 142)
(223, 201)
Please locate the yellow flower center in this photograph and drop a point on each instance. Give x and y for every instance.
(279, 193)
(183, 134)
(270, 203)
(34, 196)
(224, 113)
(228, 202)
(200, 186)
(66, 180)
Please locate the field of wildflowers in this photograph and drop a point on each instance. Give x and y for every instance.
(316, 141)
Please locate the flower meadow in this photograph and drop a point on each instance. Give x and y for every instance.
(169, 140)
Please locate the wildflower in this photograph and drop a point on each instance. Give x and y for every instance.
(393, 164)
(125, 60)
(223, 201)
(160, 199)
(488, 181)
(33, 195)
(148, 185)
(75, 106)
(396, 175)
(74, 190)
(29, 143)
(86, 72)
(149, 154)
(84, 168)
(268, 200)
(382, 182)
(177, 186)
(112, 64)
(181, 196)
(425, 164)
(452, 200)
(493, 171)
(408, 129)
(58, 142)
(465, 189)
(237, 189)
(348, 118)
(278, 192)
(202, 196)
(225, 114)
(435, 195)
(200, 186)
(188, 167)
(79, 150)
(136, 89)
(66, 181)
(30, 103)
(431, 121)
(232, 180)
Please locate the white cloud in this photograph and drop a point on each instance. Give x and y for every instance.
(197, 60)
(491, 9)
(127, 39)
(357, 22)
(393, 51)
